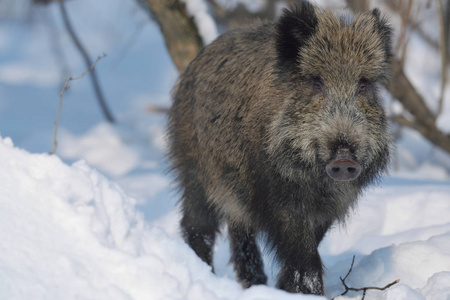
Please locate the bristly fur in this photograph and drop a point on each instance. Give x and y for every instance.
(293, 29)
(256, 118)
(361, 48)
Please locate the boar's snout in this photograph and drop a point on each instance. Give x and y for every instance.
(342, 167)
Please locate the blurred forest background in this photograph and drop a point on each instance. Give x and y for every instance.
(429, 19)
(417, 100)
(114, 118)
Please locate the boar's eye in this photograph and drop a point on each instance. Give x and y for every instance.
(363, 86)
(317, 84)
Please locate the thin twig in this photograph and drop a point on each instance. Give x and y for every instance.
(443, 46)
(364, 289)
(87, 60)
(157, 109)
(402, 43)
(63, 89)
(351, 268)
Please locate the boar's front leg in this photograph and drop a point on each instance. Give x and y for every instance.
(246, 257)
(296, 245)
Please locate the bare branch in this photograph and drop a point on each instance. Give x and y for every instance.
(63, 89)
(443, 46)
(157, 109)
(402, 121)
(351, 268)
(405, 16)
(364, 289)
(415, 25)
(87, 60)
(403, 90)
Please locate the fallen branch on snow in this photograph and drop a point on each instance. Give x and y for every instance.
(364, 289)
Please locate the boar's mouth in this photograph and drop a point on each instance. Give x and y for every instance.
(343, 167)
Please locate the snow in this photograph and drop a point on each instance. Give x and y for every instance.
(203, 19)
(99, 220)
(70, 233)
(437, 286)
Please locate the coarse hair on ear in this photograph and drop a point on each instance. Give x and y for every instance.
(385, 32)
(293, 28)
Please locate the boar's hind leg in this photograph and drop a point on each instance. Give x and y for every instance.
(199, 222)
(246, 257)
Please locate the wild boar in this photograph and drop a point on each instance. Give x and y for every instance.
(276, 129)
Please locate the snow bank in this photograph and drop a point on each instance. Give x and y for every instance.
(69, 233)
(400, 231)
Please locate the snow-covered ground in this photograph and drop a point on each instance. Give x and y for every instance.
(99, 220)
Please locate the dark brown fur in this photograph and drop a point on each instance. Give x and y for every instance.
(258, 116)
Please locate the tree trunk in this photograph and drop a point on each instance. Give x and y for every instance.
(178, 29)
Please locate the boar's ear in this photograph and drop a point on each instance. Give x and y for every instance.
(294, 28)
(385, 31)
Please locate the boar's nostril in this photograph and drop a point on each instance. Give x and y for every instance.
(335, 169)
(343, 170)
(351, 170)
